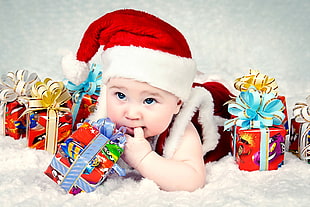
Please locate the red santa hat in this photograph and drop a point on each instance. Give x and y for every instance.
(140, 46)
(136, 45)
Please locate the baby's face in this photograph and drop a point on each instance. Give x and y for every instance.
(134, 104)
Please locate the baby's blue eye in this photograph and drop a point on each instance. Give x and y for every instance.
(149, 101)
(120, 95)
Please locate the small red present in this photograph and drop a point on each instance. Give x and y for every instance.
(85, 95)
(14, 90)
(300, 131)
(87, 157)
(260, 149)
(49, 120)
(259, 135)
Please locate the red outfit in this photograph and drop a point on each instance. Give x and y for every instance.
(220, 96)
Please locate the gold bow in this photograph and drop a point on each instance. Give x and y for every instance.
(260, 81)
(49, 95)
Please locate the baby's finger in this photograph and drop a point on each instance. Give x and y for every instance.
(138, 133)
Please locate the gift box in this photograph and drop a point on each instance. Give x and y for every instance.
(300, 131)
(49, 120)
(85, 95)
(261, 114)
(88, 157)
(14, 89)
(260, 149)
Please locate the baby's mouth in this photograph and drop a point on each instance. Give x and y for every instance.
(130, 130)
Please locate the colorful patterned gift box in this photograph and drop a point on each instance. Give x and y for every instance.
(300, 131)
(14, 88)
(88, 157)
(49, 120)
(85, 95)
(257, 126)
(260, 149)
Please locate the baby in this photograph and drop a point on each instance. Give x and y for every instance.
(147, 87)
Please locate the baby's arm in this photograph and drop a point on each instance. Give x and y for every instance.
(184, 171)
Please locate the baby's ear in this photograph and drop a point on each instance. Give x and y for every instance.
(178, 107)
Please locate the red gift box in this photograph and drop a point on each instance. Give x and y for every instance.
(69, 153)
(36, 128)
(49, 120)
(249, 152)
(15, 124)
(14, 93)
(85, 95)
(87, 106)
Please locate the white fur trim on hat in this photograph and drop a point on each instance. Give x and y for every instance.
(74, 70)
(200, 99)
(162, 70)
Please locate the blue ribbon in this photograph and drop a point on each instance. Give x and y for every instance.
(254, 109)
(90, 86)
(72, 175)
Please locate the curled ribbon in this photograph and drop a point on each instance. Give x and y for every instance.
(90, 86)
(254, 109)
(301, 113)
(12, 87)
(260, 81)
(49, 95)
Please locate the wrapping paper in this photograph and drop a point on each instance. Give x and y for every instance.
(87, 157)
(260, 149)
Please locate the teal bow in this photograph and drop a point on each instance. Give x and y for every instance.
(254, 109)
(90, 86)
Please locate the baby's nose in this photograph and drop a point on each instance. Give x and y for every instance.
(133, 113)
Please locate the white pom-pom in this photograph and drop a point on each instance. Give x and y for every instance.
(74, 70)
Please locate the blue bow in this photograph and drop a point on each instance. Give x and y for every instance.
(254, 109)
(106, 127)
(90, 86)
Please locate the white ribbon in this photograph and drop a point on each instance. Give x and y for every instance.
(12, 87)
(301, 112)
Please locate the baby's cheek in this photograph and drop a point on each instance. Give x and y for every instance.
(113, 113)
(157, 127)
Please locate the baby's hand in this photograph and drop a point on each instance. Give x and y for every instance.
(136, 148)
